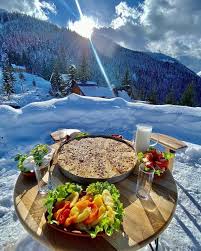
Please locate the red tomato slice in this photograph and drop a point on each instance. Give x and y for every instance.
(58, 205)
(149, 156)
(66, 206)
(63, 216)
(162, 164)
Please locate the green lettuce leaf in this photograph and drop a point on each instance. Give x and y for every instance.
(105, 224)
(58, 194)
(168, 155)
(21, 158)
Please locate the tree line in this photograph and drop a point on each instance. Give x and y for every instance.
(137, 92)
(62, 88)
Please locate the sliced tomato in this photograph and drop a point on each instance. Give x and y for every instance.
(154, 154)
(149, 164)
(58, 205)
(63, 216)
(58, 212)
(148, 156)
(162, 163)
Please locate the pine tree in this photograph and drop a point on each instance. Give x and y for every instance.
(126, 81)
(8, 81)
(72, 72)
(57, 84)
(188, 96)
(55, 80)
(8, 78)
(22, 79)
(170, 97)
(153, 95)
(84, 71)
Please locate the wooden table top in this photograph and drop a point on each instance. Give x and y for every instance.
(143, 221)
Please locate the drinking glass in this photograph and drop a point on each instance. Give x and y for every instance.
(143, 137)
(43, 177)
(144, 182)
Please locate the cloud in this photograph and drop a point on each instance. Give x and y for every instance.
(168, 26)
(84, 27)
(36, 8)
(125, 14)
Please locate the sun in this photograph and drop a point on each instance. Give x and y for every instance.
(84, 27)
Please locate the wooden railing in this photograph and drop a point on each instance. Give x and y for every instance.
(170, 144)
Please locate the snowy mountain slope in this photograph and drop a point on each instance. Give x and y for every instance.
(38, 44)
(23, 128)
(199, 74)
(25, 91)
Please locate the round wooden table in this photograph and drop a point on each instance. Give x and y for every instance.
(143, 221)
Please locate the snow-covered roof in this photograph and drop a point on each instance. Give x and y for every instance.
(21, 67)
(96, 91)
(123, 94)
(88, 83)
(65, 77)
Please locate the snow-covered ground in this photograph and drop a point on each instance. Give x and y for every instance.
(23, 128)
(25, 91)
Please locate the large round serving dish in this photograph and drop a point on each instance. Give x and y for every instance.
(96, 158)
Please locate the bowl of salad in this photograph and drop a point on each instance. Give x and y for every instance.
(90, 212)
(40, 155)
(155, 159)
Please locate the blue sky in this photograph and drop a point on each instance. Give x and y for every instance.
(171, 27)
(104, 11)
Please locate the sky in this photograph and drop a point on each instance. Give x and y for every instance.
(171, 27)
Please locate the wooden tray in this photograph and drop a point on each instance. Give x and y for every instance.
(84, 180)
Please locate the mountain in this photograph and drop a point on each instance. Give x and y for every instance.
(38, 45)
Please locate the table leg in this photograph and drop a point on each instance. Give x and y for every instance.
(156, 245)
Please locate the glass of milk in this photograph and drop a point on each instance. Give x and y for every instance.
(143, 137)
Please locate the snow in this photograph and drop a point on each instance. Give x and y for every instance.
(31, 94)
(21, 129)
(65, 77)
(88, 83)
(124, 95)
(18, 67)
(162, 57)
(199, 74)
(96, 91)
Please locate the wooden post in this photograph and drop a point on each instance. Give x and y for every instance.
(171, 161)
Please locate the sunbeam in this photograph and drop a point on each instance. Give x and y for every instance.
(101, 66)
(79, 9)
(95, 53)
(63, 2)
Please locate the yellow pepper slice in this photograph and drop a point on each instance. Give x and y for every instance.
(84, 215)
(110, 214)
(73, 198)
(107, 198)
(98, 200)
